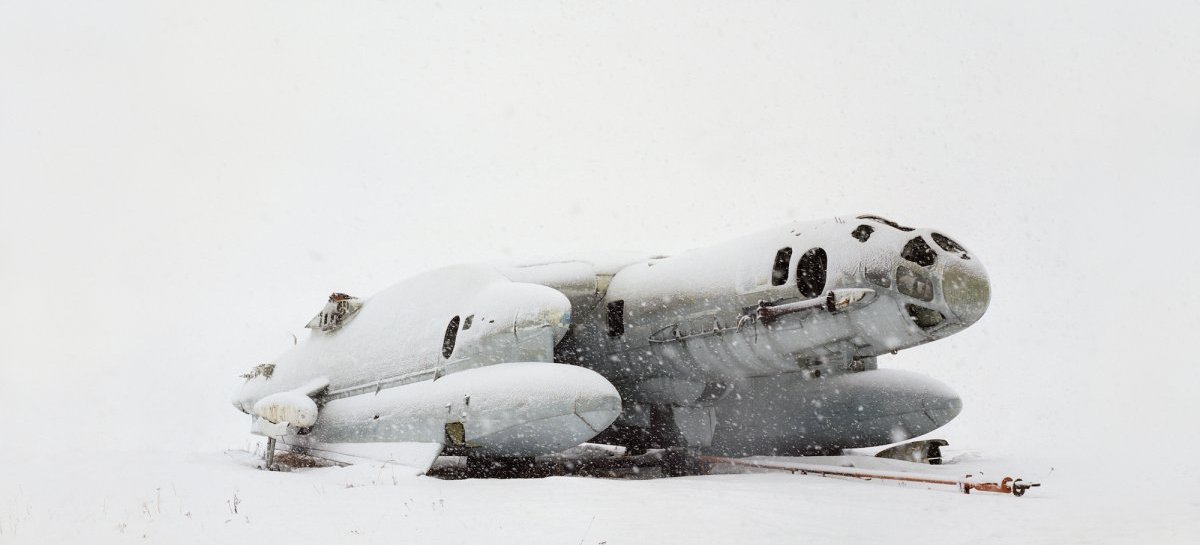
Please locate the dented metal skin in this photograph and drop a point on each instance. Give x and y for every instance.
(765, 344)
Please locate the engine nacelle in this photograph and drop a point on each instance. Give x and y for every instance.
(292, 407)
(508, 409)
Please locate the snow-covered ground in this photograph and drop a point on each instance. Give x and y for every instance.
(182, 184)
(217, 497)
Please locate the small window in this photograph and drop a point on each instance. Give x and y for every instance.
(451, 336)
(616, 318)
(919, 252)
(925, 318)
(879, 277)
(947, 244)
(779, 274)
(914, 283)
(811, 271)
(467, 322)
(862, 233)
(885, 221)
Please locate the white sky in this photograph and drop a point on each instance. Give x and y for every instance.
(182, 185)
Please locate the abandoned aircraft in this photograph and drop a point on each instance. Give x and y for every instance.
(766, 344)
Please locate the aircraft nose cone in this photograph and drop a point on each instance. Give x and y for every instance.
(967, 290)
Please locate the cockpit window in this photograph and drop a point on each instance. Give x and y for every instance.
(879, 277)
(779, 273)
(885, 221)
(916, 284)
(811, 272)
(925, 318)
(947, 244)
(862, 232)
(919, 252)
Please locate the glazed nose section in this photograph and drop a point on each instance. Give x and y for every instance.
(967, 290)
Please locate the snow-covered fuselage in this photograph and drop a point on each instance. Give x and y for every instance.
(765, 344)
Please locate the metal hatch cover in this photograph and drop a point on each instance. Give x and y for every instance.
(337, 311)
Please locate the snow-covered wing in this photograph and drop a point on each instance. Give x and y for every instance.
(582, 280)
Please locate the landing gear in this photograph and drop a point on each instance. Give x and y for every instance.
(269, 456)
(928, 451)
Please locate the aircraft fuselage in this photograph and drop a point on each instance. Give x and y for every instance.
(764, 344)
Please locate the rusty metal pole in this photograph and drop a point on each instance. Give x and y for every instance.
(1007, 485)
